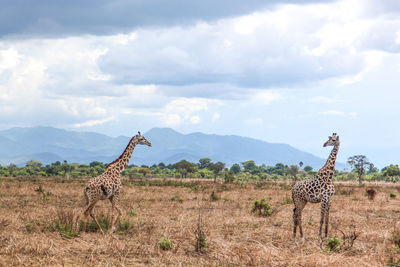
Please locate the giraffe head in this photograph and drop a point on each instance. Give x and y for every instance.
(333, 140)
(141, 140)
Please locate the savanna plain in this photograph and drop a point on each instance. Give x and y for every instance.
(190, 222)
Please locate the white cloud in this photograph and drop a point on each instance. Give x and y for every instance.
(290, 44)
(215, 117)
(255, 121)
(323, 99)
(185, 110)
(260, 97)
(195, 119)
(172, 119)
(337, 113)
(92, 123)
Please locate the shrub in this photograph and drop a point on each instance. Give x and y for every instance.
(201, 242)
(65, 223)
(392, 195)
(200, 236)
(393, 262)
(132, 213)
(229, 176)
(29, 227)
(177, 198)
(287, 200)
(214, 196)
(262, 207)
(396, 238)
(334, 244)
(165, 244)
(371, 193)
(40, 189)
(91, 226)
(124, 227)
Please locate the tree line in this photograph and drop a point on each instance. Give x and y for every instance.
(361, 169)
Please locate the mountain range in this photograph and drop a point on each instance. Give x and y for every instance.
(48, 144)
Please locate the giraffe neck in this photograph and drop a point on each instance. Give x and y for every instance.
(326, 172)
(118, 165)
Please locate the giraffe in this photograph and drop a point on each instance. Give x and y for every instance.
(108, 184)
(317, 189)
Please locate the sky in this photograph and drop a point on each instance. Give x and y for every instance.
(281, 71)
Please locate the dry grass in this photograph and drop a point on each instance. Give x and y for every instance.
(234, 236)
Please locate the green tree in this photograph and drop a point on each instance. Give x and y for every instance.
(216, 168)
(235, 168)
(293, 170)
(12, 168)
(308, 168)
(145, 171)
(359, 163)
(96, 163)
(161, 165)
(391, 171)
(66, 167)
(250, 166)
(229, 176)
(34, 164)
(184, 167)
(204, 163)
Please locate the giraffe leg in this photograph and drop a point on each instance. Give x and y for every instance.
(326, 220)
(89, 211)
(321, 222)
(294, 223)
(297, 211)
(112, 213)
(113, 201)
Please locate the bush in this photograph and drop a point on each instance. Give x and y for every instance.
(124, 227)
(65, 224)
(214, 196)
(132, 213)
(200, 241)
(177, 198)
(91, 226)
(334, 244)
(287, 200)
(371, 193)
(29, 227)
(392, 195)
(393, 262)
(40, 189)
(165, 244)
(200, 235)
(229, 176)
(396, 238)
(262, 207)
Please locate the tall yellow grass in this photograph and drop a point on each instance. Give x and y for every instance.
(235, 237)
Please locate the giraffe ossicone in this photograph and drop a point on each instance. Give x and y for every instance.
(317, 189)
(108, 184)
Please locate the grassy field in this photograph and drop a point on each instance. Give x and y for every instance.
(40, 224)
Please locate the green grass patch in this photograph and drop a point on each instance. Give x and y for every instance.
(165, 244)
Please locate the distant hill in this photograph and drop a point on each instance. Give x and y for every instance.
(47, 144)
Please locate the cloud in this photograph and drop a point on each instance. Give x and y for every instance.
(337, 113)
(102, 17)
(280, 48)
(215, 117)
(187, 110)
(323, 99)
(92, 123)
(255, 121)
(195, 119)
